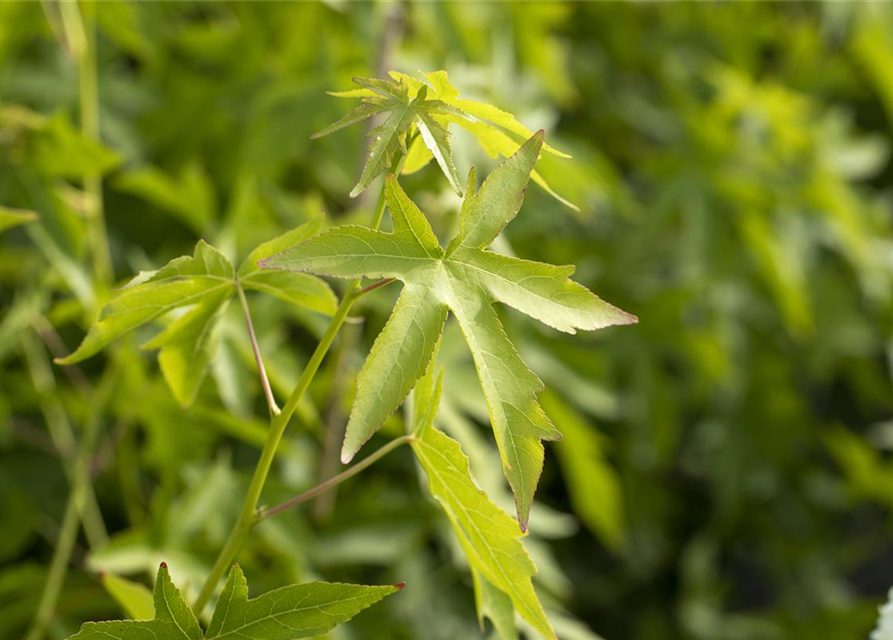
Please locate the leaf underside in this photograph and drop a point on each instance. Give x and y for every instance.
(466, 280)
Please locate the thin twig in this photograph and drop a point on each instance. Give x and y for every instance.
(335, 420)
(79, 489)
(375, 285)
(336, 480)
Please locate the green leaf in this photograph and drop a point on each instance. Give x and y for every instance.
(296, 611)
(405, 113)
(494, 604)
(498, 132)
(294, 288)
(205, 282)
(61, 150)
(592, 483)
(467, 280)
(188, 345)
(182, 282)
(489, 536)
(173, 620)
(134, 598)
(13, 217)
(190, 196)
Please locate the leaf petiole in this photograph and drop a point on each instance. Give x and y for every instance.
(255, 347)
(334, 481)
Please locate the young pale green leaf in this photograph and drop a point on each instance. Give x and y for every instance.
(135, 599)
(498, 132)
(492, 603)
(14, 217)
(297, 611)
(465, 279)
(182, 282)
(489, 536)
(173, 620)
(405, 113)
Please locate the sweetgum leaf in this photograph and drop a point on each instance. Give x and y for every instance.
(465, 279)
(205, 282)
(295, 288)
(405, 113)
(498, 132)
(296, 611)
(182, 282)
(488, 535)
(173, 620)
(494, 604)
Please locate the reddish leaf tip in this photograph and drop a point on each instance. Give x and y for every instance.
(399, 585)
(523, 526)
(164, 565)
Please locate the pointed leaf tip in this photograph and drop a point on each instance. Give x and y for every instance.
(399, 585)
(163, 565)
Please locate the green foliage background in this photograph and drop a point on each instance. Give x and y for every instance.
(724, 472)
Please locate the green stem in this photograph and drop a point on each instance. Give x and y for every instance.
(62, 436)
(71, 519)
(248, 515)
(334, 481)
(89, 94)
(255, 347)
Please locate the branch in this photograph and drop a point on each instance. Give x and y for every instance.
(336, 480)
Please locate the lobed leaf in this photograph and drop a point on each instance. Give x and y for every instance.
(296, 611)
(498, 132)
(173, 620)
(489, 537)
(182, 282)
(467, 280)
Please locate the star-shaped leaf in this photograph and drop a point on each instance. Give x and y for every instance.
(297, 611)
(465, 279)
(404, 113)
(173, 620)
(205, 282)
(498, 132)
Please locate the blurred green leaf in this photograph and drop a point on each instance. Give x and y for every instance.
(135, 599)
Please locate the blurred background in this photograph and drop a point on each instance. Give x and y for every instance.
(726, 469)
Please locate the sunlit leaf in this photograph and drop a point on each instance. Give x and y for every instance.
(465, 279)
(489, 536)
